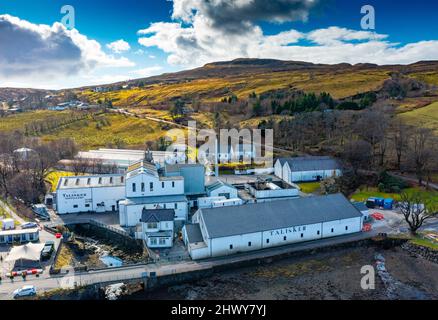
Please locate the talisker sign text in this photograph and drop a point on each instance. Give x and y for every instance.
(288, 230)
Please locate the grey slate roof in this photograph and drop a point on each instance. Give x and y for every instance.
(299, 164)
(217, 185)
(157, 215)
(155, 199)
(361, 206)
(251, 218)
(194, 234)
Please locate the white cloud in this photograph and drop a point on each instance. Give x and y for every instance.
(119, 46)
(149, 71)
(218, 30)
(33, 54)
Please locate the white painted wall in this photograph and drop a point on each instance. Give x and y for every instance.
(313, 175)
(130, 215)
(240, 243)
(86, 199)
(207, 202)
(278, 169)
(159, 188)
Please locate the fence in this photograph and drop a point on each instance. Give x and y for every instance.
(110, 228)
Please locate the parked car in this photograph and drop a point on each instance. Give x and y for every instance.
(26, 291)
(41, 211)
(48, 249)
(29, 225)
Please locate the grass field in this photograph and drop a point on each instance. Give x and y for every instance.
(364, 194)
(88, 133)
(339, 85)
(425, 117)
(19, 120)
(126, 130)
(419, 241)
(310, 187)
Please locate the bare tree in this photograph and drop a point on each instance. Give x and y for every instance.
(80, 166)
(421, 152)
(400, 139)
(416, 209)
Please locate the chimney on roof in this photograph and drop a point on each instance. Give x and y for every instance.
(148, 157)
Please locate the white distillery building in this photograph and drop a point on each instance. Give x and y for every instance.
(306, 169)
(141, 187)
(145, 188)
(236, 229)
(89, 193)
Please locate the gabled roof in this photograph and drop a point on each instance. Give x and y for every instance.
(218, 184)
(141, 167)
(157, 215)
(252, 218)
(311, 163)
(361, 206)
(194, 234)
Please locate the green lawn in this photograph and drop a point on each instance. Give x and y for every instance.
(426, 117)
(364, 194)
(310, 187)
(419, 241)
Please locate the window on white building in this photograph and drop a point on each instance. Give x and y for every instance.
(162, 241)
(153, 241)
(231, 247)
(284, 238)
(142, 187)
(151, 186)
(318, 232)
(152, 225)
(173, 184)
(162, 185)
(346, 228)
(249, 244)
(267, 240)
(176, 205)
(75, 206)
(134, 187)
(333, 230)
(302, 235)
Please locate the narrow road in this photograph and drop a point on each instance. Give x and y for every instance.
(415, 180)
(12, 213)
(125, 112)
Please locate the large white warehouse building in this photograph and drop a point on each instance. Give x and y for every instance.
(305, 169)
(225, 231)
(90, 193)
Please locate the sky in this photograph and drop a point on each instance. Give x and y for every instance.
(110, 41)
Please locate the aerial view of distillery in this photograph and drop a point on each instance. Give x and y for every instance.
(218, 150)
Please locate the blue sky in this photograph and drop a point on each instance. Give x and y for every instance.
(183, 34)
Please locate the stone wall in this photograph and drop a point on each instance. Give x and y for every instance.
(424, 252)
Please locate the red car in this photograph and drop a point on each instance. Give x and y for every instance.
(58, 235)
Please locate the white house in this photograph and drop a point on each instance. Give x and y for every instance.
(306, 169)
(157, 228)
(250, 227)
